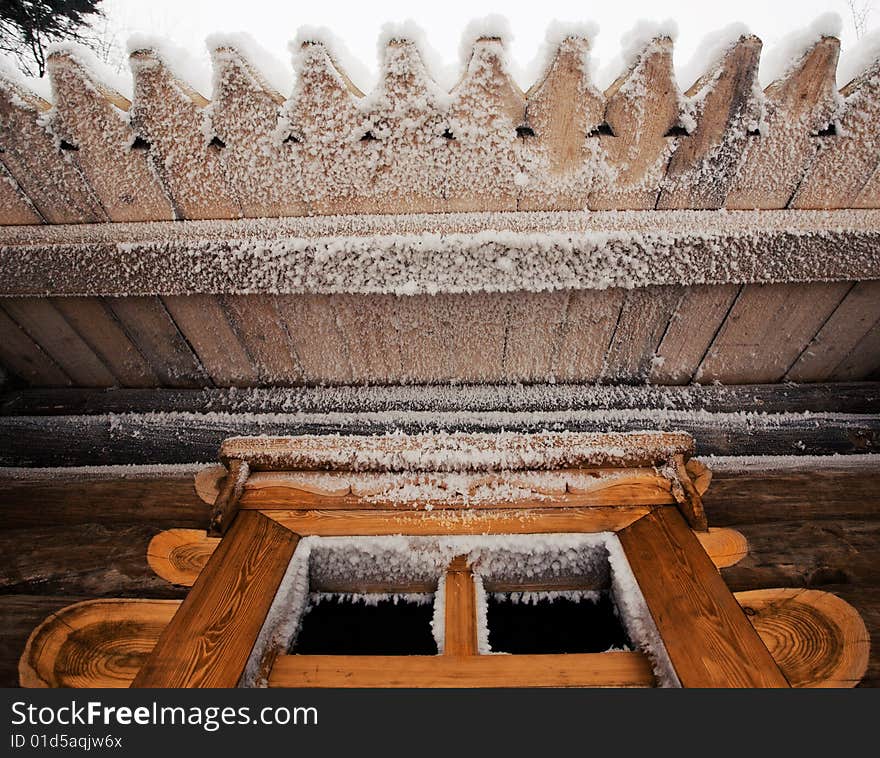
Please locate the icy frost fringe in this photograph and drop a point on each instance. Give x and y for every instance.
(284, 616)
(636, 616)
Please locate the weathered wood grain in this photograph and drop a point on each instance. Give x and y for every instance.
(850, 322)
(703, 166)
(706, 634)
(26, 359)
(103, 333)
(643, 105)
(204, 324)
(692, 327)
(767, 328)
(151, 328)
(210, 638)
(796, 108)
(42, 321)
(559, 161)
(90, 559)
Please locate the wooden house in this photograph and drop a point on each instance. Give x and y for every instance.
(326, 388)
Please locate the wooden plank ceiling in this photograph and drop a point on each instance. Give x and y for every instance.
(94, 157)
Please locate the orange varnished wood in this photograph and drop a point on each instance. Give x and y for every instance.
(328, 523)
(619, 669)
(210, 638)
(461, 609)
(708, 637)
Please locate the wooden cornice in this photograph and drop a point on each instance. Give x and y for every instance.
(409, 146)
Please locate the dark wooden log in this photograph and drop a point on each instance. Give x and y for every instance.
(844, 397)
(832, 490)
(94, 560)
(183, 438)
(21, 614)
(113, 497)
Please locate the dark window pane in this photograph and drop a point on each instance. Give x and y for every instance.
(347, 627)
(560, 625)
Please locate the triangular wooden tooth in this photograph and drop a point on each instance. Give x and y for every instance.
(796, 107)
(263, 163)
(703, 166)
(325, 114)
(485, 110)
(15, 207)
(170, 116)
(93, 117)
(559, 160)
(406, 115)
(49, 176)
(643, 106)
(843, 173)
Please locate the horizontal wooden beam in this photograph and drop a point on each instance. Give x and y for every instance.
(619, 669)
(457, 451)
(839, 397)
(186, 437)
(441, 253)
(536, 521)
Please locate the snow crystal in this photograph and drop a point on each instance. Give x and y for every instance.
(709, 53)
(276, 74)
(121, 82)
(859, 58)
(360, 75)
(779, 60)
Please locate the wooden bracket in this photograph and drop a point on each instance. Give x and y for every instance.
(687, 497)
(226, 504)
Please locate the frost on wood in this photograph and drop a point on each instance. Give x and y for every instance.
(486, 108)
(440, 253)
(798, 107)
(840, 176)
(722, 107)
(594, 559)
(412, 145)
(643, 107)
(171, 117)
(457, 451)
(561, 159)
(263, 167)
(95, 119)
(49, 176)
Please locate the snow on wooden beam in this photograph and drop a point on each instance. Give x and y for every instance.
(410, 146)
(448, 253)
(456, 451)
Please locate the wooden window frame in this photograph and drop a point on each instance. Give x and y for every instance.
(707, 636)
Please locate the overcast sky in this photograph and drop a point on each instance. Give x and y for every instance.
(358, 22)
